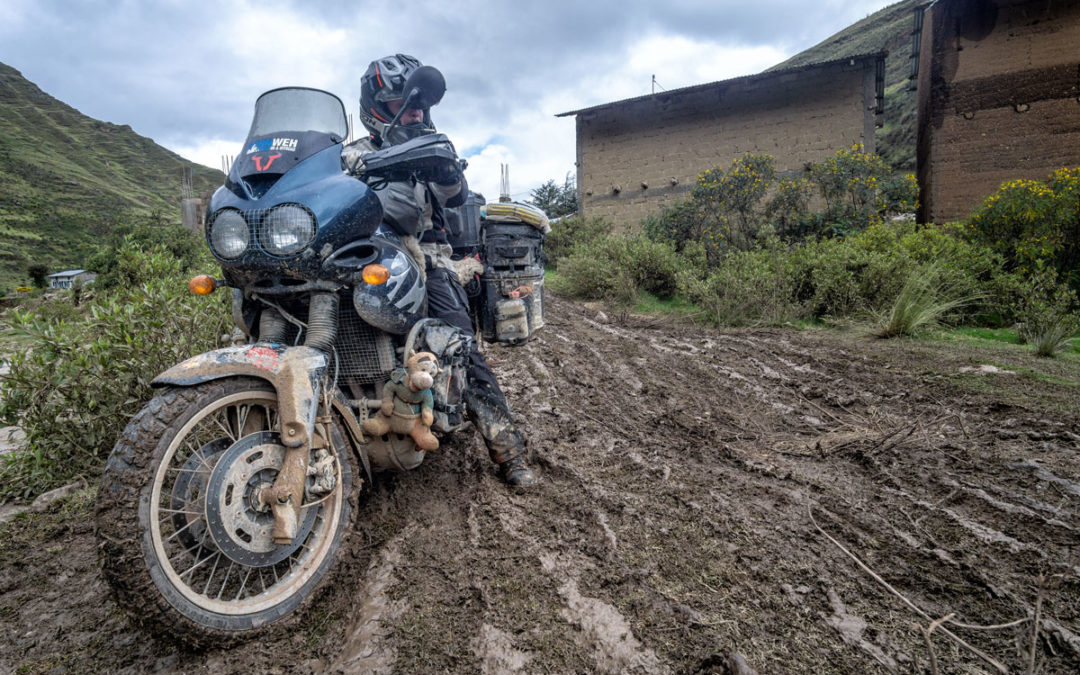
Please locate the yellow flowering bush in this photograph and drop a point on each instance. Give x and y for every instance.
(1032, 221)
(859, 190)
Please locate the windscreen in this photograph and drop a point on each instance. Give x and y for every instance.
(298, 109)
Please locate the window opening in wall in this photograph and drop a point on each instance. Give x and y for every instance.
(879, 90)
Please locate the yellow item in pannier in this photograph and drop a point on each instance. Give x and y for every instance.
(516, 212)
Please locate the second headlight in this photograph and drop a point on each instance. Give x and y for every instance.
(286, 229)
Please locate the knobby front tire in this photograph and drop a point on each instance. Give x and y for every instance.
(183, 542)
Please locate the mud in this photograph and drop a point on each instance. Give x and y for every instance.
(671, 530)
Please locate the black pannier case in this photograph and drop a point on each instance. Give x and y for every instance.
(508, 300)
(512, 282)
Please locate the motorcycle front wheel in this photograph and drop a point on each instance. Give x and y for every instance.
(184, 540)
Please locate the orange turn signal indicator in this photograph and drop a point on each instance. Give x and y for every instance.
(204, 284)
(375, 274)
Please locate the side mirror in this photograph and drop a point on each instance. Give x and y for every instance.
(424, 88)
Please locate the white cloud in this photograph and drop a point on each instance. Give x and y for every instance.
(208, 152)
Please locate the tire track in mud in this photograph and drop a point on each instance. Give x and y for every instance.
(767, 405)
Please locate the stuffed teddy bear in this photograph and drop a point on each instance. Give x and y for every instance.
(407, 404)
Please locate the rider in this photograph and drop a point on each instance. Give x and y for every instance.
(416, 208)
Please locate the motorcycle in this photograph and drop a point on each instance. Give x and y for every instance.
(226, 504)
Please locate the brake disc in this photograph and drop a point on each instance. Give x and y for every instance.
(238, 523)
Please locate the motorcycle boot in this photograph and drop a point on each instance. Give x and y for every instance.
(490, 414)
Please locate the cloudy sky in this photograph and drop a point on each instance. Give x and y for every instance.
(186, 72)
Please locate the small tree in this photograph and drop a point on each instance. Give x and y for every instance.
(554, 200)
(1033, 222)
(39, 275)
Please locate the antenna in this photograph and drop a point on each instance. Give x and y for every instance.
(504, 182)
(656, 84)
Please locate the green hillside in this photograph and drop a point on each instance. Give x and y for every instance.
(889, 30)
(67, 180)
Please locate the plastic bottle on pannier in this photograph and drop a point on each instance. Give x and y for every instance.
(509, 237)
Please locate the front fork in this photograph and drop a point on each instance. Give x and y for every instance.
(298, 388)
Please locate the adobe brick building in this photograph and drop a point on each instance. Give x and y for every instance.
(999, 98)
(636, 156)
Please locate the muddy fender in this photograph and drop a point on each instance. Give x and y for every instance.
(295, 372)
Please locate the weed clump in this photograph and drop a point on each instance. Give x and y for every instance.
(925, 299)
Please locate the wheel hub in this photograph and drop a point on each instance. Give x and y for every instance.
(237, 520)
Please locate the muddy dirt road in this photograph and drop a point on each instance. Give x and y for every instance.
(685, 475)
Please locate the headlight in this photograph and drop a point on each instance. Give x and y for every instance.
(286, 229)
(229, 235)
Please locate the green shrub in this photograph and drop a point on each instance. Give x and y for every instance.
(568, 233)
(616, 268)
(900, 193)
(730, 201)
(597, 269)
(77, 381)
(758, 286)
(118, 262)
(1031, 221)
(654, 266)
(677, 226)
(789, 208)
(859, 191)
(1047, 312)
(842, 277)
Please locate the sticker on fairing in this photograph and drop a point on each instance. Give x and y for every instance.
(282, 144)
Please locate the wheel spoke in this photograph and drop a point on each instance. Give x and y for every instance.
(243, 584)
(201, 544)
(187, 526)
(174, 534)
(213, 570)
(187, 513)
(225, 581)
(241, 419)
(225, 427)
(194, 567)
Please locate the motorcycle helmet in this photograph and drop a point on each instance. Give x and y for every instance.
(384, 80)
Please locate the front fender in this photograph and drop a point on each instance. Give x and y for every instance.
(295, 372)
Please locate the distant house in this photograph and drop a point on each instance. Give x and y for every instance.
(637, 156)
(999, 97)
(66, 279)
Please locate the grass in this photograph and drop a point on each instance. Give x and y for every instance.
(647, 303)
(923, 302)
(1055, 337)
(1008, 336)
(1003, 335)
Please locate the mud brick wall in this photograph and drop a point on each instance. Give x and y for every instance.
(637, 157)
(999, 98)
